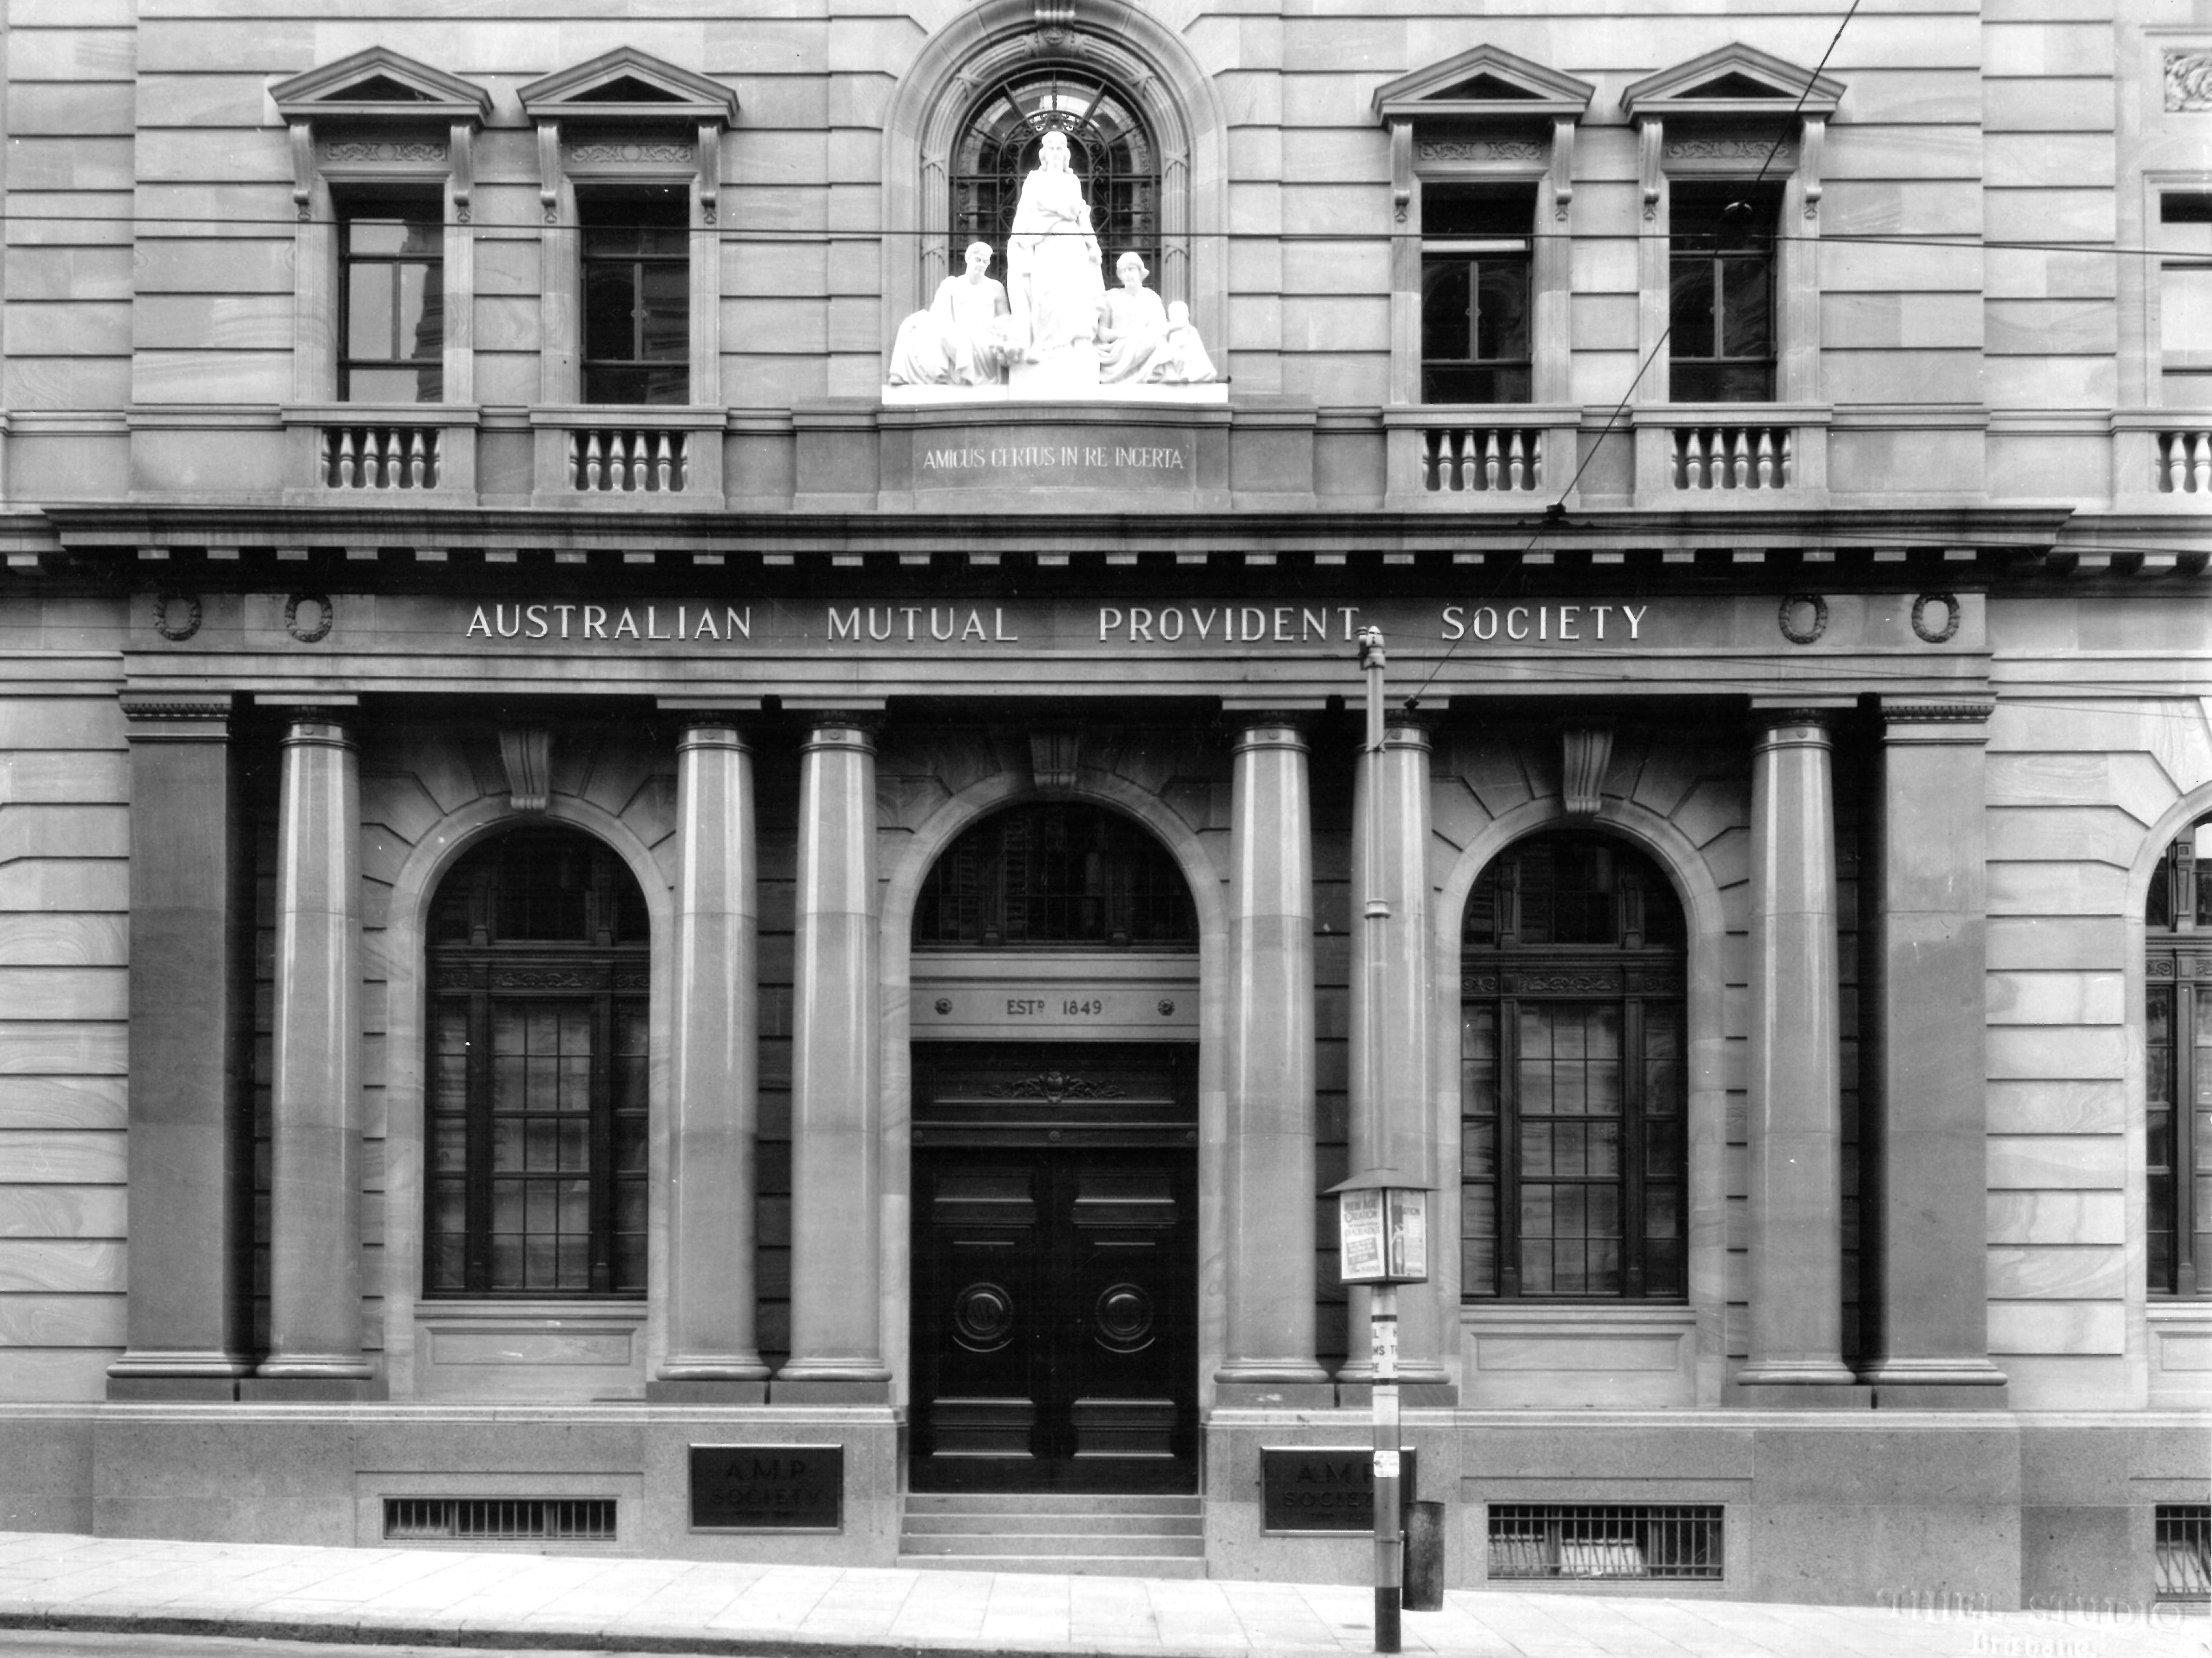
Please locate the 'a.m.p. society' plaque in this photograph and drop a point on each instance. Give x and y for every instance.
(767, 1487)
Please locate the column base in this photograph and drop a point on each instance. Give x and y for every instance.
(829, 1390)
(1415, 1392)
(706, 1390)
(308, 1390)
(1759, 1393)
(1243, 1395)
(210, 1389)
(1936, 1384)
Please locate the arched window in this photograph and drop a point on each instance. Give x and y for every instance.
(1572, 1094)
(1107, 148)
(536, 1142)
(1055, 875)
(2178, 1068)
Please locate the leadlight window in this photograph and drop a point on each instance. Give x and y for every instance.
(637, 295)
(392, 300)
(1573, 1156)
(1476, 318)
(2178, 1068)
(1721, 330)
(1055, 875)
(1108, 149)
(536, 1177)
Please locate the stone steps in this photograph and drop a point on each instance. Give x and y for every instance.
(1148, 1536)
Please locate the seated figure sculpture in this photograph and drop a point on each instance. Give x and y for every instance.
(963, 339)
(1052, 269)
(1139, 343)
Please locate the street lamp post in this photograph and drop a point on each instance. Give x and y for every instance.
(1382, 1214)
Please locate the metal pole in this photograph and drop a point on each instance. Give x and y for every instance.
(1383, 1298)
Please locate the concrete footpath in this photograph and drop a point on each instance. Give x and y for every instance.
(511, 1601)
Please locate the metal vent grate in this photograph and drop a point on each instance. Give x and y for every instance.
(499, 1519)
(1675, 1541)
(2185, 1552)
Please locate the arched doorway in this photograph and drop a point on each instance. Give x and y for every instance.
(1054, 1160)
(1573, 1080)
(536, 1119)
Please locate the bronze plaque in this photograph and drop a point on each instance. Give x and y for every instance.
(1323, 1488)
(767, 1487)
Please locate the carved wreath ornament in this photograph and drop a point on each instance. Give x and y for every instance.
(2188, 81)
(176, 616)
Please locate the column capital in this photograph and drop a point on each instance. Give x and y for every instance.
(174, 719)
(1936, 720)
(1271, 730)
(1794, 727)
(707, 731)
(318, 728)
(843, 728)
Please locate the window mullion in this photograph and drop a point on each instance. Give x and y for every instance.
(1631, 1148)
(477, 1263)
(2183, 1117)
(1508, 1147)
(603, 1136)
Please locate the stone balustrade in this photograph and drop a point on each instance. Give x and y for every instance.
(1735, 457)
(1479, 460)
(2184, 461)
(618, 460)
(380, 457)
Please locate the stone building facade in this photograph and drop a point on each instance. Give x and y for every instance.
(597, 908)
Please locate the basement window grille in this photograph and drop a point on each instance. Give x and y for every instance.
(499, 1519)
(1675, 1542)
(2185, 1552)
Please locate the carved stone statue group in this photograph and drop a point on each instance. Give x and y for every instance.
(1053, 328)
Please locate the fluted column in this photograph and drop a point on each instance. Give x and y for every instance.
(1795, 1105)
(836, 1340)
(1390, 1031)
(1269, 1189)
(1924, 1056)
(192, 954)
(713, 1078)
(314, 1197)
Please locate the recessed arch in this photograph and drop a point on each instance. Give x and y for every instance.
(1148, 62)
(1706, 921)
(404, 959)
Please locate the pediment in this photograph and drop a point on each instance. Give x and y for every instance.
(1735, 80)
(1484, 84)
(628, 85)
(380, 84)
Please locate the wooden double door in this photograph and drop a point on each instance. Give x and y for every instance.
(1055, 1272)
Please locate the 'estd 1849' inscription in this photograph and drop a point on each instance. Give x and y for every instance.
(767, 1487)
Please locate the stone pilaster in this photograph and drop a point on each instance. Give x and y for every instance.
(1923, 1048)
(837, 1158)
(713, 1079)
(1391, 1040)
(315, 1195)
(191, 994)
(1268, 1228)
(1796, 1105)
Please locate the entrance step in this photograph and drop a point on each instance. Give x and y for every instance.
(1149, 1536)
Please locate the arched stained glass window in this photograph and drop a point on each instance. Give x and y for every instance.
(1573, 1086)
(1055, 875)
(1107, 148)
(535, 1182)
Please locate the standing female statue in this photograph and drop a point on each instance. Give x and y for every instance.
(1054, 281)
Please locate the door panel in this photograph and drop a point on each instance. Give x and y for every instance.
(1055, 1340)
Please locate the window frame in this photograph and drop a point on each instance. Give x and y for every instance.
(639, 260)
(607, 972)
(1646, 982)
(1445, 251)
(360, 207)
(986, 838)
(1716, 260)
(2179, 245)
(2178, 971)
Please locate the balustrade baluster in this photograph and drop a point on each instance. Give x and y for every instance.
(343, 461)
(1694, 469)
(1740, 458)
(1766, 458)
(1431, 442)
(592, 462)
(1789, 457)
(417, 464)
(2200, 467)
(1516, 462)
(663, 466)
(1536, 458)
(1461, 475)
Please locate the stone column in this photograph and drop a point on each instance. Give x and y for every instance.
(314, 1185)
(190, 1132)
(1796, 1103)
(713, 1079)
(1268, 1192)
(1391, 1039)
(837, 1337)
(1923, 1018)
